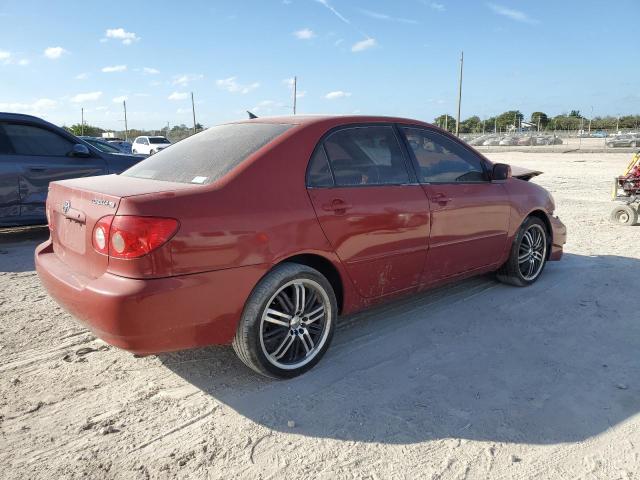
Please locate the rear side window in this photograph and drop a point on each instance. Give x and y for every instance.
(31, 140)
(319, 173)
(207, 156)
(5, 146)
(366, 156)
(442, 160)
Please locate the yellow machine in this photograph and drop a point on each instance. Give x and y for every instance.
(626, 189)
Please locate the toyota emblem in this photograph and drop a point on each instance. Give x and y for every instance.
(66, 206)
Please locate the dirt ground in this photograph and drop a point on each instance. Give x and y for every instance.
(475, 380)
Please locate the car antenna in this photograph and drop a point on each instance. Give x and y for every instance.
(251, 115)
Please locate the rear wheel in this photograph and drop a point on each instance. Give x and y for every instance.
(624, 215)
(528, 254)
(287, 323)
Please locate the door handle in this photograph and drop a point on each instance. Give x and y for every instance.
(336, 205)
(440, 199)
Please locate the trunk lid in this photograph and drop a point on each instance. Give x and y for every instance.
(74, 206)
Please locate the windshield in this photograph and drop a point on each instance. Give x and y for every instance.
(102, 146)
(209, 155)
(158, 140)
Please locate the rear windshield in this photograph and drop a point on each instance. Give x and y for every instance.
(207, 156)
(158, 140)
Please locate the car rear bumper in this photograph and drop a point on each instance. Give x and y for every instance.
(154, 315)
(559, 231)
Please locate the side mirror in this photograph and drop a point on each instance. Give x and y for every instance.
(80, 150)
(501, 171)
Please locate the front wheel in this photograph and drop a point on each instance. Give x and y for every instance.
(287, 323)
(624, 215)
(528, 254)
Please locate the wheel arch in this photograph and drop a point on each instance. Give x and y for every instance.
(542, 215)
(325, 267)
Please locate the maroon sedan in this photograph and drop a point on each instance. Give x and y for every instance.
(260, 233)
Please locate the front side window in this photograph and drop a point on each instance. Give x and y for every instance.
(443, 160)
(209, 155)
(32, 140)
(366, 156)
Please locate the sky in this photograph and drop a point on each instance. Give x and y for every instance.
(396, 58)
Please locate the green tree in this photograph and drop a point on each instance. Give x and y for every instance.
(575, 113)
(88, 130)
(446, 122)
(540, 118)
(471, 125)
(510, 118)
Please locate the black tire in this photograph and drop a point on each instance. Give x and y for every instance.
(516, 271)
(258, 334)
(624, 215)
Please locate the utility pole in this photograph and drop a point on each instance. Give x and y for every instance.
(590, 118)
(126, 127)
(295, 93)
(82, 121)
(193, 109)
(459, 93)
(446, 121)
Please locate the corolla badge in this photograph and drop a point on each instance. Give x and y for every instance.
(106, 203)
(66, 206)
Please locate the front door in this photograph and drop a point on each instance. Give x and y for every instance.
(470, 214)
(43, 156)
(9, 197)
(371, 210)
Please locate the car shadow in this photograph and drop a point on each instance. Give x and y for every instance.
(17, 245)
(554, 362)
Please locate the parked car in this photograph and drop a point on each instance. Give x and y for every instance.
(492, 141)
(525, 141)
(623, 141)
(101, 145)
(508, 141)
(271, 228)
(149, 145)
(34, 152)
(599, 134)
(122, 145)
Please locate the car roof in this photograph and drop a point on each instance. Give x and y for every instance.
(8, 116)
(332, 120)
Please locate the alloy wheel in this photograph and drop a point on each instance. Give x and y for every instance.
(532, 252)
(295, 324)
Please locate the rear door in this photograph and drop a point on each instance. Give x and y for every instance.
(469, 213)
(370, 208)
(9, 197)
(42, 156)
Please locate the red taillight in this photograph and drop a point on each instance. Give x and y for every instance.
(132, 237)
(128, 236)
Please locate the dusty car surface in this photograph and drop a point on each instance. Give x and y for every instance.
(260, 233)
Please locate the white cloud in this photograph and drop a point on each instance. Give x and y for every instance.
(86, 97)
(38, 107)
(4, 55)
(127, 38)
(337, 94)
(24, 62)
(334, 11)
(301, 93)
(54, 53)
(150, 71)
(516, 15)
(82, 76)
(230, 85)
(304, 34)
(120, 99)
(114, 68)
(384, 16)
(8, 58)
(437, 6)
(184, 80)
(178, 96)
(363, 45)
